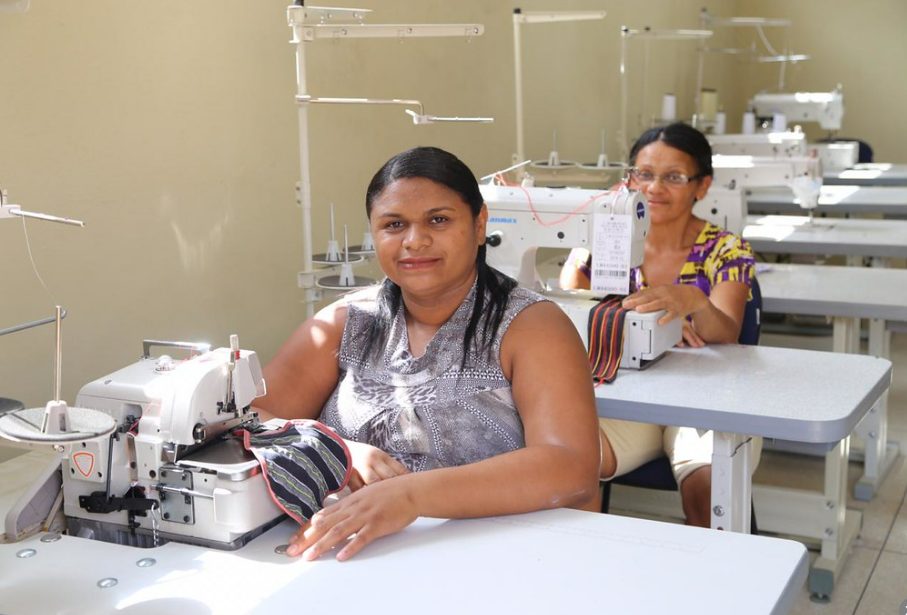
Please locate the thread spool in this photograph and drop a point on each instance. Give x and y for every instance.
(779, 122)
(669, 107)
(708, 104)
(720, 123)
(749, 123)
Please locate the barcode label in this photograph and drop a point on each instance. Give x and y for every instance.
(611, 243)
(608, 273)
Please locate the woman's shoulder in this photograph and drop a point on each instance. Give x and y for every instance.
(351, 308)
(715, 239)
(361, 301)
(521, 298)
(541, 327)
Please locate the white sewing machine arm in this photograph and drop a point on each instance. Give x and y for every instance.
(522, 220)
(824, 108)
(760, 171)
(193, 397)
(789, 144)
(803, 175)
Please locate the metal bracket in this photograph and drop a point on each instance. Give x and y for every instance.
(177, 496)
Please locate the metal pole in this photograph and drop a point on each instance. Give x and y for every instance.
(519, 156)
(58, 356)
(624, 144)
(305, 186)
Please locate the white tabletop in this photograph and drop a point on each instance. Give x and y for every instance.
(556, 561)
(818, 290)
(870, 174)
(850, 237)
(792, 394)
(842, 199)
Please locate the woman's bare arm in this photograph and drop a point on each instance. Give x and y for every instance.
(304, 372)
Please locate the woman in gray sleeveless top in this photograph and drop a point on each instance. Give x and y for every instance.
(458, 394)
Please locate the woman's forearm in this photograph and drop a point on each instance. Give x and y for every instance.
(533, 478)
(714, 326)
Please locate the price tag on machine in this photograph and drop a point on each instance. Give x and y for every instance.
(611, 253)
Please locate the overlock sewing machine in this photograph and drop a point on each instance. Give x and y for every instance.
(169, 470)
(611, 224)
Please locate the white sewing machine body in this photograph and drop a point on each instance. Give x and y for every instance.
(523, 219)
(824, 108)
(838, 155)
(763, 171)
(803, 175)
(834, 156)
(168, 472)
(788, 144)
(723, 207)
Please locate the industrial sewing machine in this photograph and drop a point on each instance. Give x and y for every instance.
(823, 108)
(611, 224)
(170, 470)
(735, 174)
(838, 155)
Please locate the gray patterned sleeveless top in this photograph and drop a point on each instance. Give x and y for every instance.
(426, 411)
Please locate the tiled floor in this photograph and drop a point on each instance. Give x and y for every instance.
(874, 579)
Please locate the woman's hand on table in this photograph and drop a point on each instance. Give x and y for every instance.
(376, 510)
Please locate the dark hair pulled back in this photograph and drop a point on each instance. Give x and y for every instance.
(449, 171)
(682, 137)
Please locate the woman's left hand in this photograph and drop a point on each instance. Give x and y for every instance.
(678, 300)
(376, 510)
(690, 337)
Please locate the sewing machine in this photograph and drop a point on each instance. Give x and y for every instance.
(169, 471)
(523, 219)
(824, 108)
(834, 156)
(803, 175)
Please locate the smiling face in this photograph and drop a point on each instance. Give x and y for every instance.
(426, 237)
(667, 202)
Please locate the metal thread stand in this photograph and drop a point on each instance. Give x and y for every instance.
(647, 35)
(309, 24)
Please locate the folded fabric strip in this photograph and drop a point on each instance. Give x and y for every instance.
(606, 337)
(303, 462)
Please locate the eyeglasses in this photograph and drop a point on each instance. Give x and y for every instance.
(645, 178)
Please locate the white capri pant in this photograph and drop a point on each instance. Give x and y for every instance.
(687, 448)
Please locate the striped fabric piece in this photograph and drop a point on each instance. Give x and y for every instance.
(606, 337)
(303, 462)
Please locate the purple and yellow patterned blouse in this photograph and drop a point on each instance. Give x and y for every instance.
(717, 256)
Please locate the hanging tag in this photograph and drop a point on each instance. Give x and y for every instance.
(611, 253)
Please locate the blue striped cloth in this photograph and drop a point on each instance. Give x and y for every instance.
(303, 462)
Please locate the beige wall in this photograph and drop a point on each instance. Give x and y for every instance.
(169, 127)
(862, 45)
